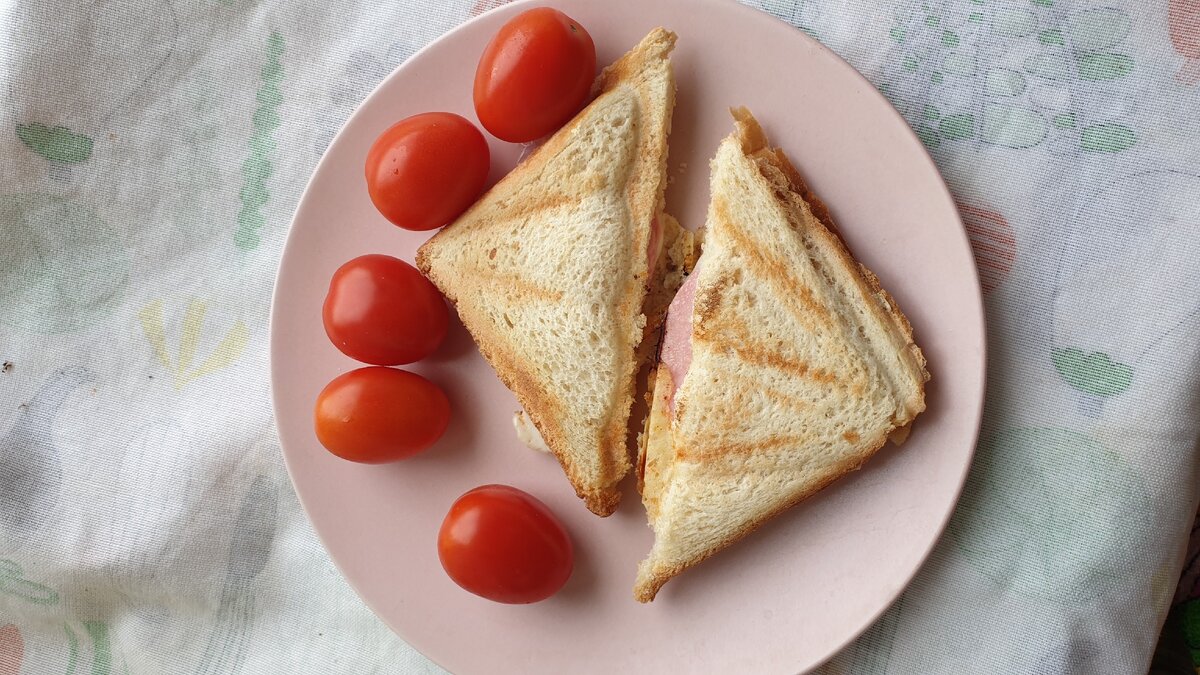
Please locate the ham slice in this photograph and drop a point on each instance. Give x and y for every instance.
(677, 332)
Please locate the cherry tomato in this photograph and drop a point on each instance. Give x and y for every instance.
(375, 415)
(381, 310)
(503, 544)
(534, 75)
(427, 169)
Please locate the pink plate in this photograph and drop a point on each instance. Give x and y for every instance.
(787, 597)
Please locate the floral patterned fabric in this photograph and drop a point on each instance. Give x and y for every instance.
(151, 155)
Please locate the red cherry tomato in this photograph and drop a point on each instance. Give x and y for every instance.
(503, 544)
(375, 415)
(427, 169)
(534, 75)
(380, 310)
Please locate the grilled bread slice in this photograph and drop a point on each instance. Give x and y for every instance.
(801, 366)
(549, 269)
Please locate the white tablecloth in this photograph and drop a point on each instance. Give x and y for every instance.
(152, 152)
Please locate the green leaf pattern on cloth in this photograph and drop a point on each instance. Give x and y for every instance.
(966, 58)
(1028, 520)
(62, 268)
(14, 584)
(1093, 373)
(258, 167)
(56, 144)
(72, 648)
(101, 649)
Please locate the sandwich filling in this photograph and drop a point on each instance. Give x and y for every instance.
(528, 433)
(654, 250)
(677, 332)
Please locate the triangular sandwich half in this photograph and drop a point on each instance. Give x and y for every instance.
(784, 365)
(549, 270)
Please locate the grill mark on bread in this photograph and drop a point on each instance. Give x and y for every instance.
(781, 399)
(700, 451)
(533, 205)
(737, 337)
(761, 356)
(773, 271)
(707, 305)
(770, 359)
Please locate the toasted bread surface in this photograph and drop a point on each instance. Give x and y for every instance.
(802, 366)
(548, 270)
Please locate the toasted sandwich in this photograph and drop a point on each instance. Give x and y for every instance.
(549, 270)
(784, 365)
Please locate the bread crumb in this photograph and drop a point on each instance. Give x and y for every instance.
(8, 367)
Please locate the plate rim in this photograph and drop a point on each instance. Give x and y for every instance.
(751, 13)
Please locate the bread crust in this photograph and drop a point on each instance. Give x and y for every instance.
(644, 190)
